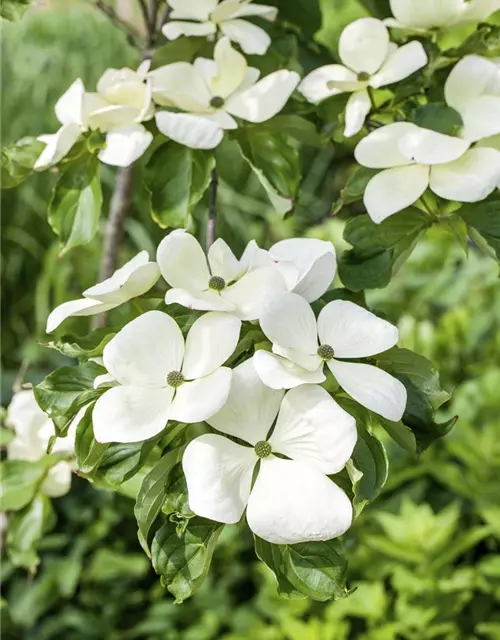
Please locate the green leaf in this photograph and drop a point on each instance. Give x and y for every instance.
(297, 127)
(354, 188)
(485, 39)
(88, 451)
(306, 14)
(83, 347)
(176, 178)
(379, 249)
(121, 462)
(438, 117)
(66, 390)
(176, 499)
(152, 495)
(314, 569)
(181, 50)
(484, 218)
(111, 564)
(183, 562)
(400, 433)
(18, 159)
(22, 479)
(76, 202)
(378, 8)
(25, 530)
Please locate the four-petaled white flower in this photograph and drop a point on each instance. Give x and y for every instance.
(292, 500)
(123, 100)
(34, 429)
(370, 60)
(212, 92)
(345, 330)
(160, 377)
(473, 89)
(414, 159)
(308, 265)
(194, 18)
(133, 279)
(422, 15)
(219, 283)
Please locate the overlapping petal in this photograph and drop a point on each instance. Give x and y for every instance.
(58, 145)
(280, 373)
(200, 399)
(381, 148)
(252, 39)
(82, 307)
(182, 261)
(252, 294)
(321, 83)
(400, 64)
(290, 323)
(363, 45)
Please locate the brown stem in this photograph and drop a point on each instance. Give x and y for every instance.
(212, 211)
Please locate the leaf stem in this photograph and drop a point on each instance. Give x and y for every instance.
(212, 212)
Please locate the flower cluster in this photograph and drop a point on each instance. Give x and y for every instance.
(156, 375)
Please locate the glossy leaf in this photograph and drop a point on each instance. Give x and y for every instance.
(484, 218)
(88, 451)
(438, 117)
(83, 347)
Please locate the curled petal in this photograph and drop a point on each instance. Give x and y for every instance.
(252, 39)
(83, 307)
(176, 28)
(280, 373)
(124, 145)
(321, 83)
(58, 145)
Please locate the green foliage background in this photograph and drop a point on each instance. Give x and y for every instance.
(425, 558)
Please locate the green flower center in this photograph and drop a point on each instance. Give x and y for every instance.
(216, 283)
(363, 76)
(325, 352)
(175, 379)
(217, 102)
(263, 449)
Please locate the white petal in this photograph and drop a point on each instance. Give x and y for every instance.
(425, 146)
(252, 39)
(69, 106)
(58, 145)
(198, 400)
(176, 28)
(481, 118)
(223, 119)
(310, 362)
(252, 294)
(468, 79)
(380, 148)
(181, 85)
(192, 9)
(136, 283)
(318, 85)
(315, 261)
(293, 502)
(470, 178)
(280, 373)
(58, 480)
(145, 350)
(210, 342)
(251, 407)
(131, 414)
(363, 45)
(231, 69)
(195, 132)
(373, 388)
(354, 332)
(395, 189)
(265, 99)
(357, 108)
(254, 9)
(425, 14)
(477, 10)
(219, 476)
(222, 261)
(290, 323)
(201, 301)
(182, 261)
(400, 64)
(124, 145)
(112, 116)
(83, 307)
(313, 428)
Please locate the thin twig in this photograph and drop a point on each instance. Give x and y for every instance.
(212, 212)
(132, 35)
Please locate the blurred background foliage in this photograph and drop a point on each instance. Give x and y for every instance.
(425, 558)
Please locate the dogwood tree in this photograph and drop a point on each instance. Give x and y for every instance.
(258, 387)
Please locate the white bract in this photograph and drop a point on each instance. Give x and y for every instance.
(473, 89)
(369, 60)
(133, 279)
(418, 158)
(211, 92)
(195, 18)
(122, 102)
(33, 430)
(217, 282)
(161, 377)
(345, 330)
(422, 15)
(292, 500)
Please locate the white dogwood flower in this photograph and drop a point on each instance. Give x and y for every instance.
(292, 500)
(34, 429)
(217, 282)
(308, 265)
(194, 18)
(121, 103)
(422, 15)
(211, 92)
(369, 60)
(161, 377)
(345, 330)
(473, 89)
(133, 279)
(414, 159)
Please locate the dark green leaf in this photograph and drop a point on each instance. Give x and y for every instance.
(122, 461)
(176, 499)
(354, 188)
(400, 433)
(76, 202)
(18, 159)
(181, 50)
(272, 556)
(25, 530)
(21, 480)
(306, 14)
(83, 347)
(297, 127)
(438, 117)
(484, 218)
(176, 178)
(183, 562)
(378, 8)
(88, 451)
